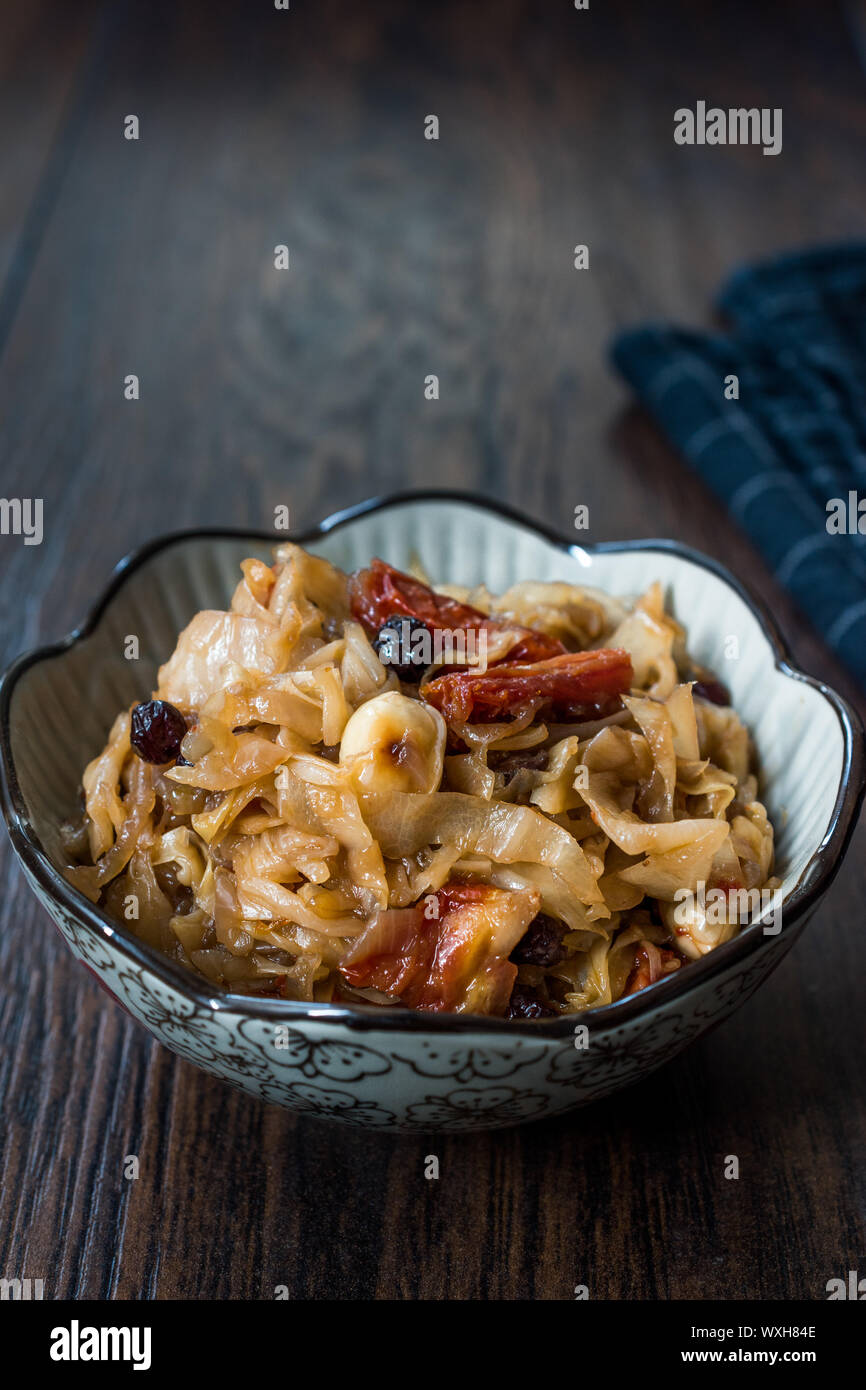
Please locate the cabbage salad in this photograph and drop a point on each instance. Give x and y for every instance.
(364, 789)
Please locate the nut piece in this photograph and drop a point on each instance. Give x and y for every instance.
(394, 744)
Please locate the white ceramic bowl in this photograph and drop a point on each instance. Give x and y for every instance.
(395, 1068)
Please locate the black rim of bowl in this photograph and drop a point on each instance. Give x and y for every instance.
(814, 881)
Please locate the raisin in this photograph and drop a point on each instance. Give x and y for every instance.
(574, 685)
(156, 731)
(381, 592)
(395, 642)
(527, 1003)
(531, 759)
(180, 896)
(542, 943)
(712, 690)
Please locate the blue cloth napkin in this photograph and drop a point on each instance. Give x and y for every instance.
(788, 456)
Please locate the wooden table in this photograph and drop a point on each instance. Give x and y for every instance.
(306, 388)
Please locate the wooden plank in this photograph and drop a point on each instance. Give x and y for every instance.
(47, 53)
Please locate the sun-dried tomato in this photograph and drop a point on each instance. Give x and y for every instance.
(574, 686)
(650, 964)
(448, 952)
(382, 592)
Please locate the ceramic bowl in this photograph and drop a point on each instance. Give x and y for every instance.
(393, 1068)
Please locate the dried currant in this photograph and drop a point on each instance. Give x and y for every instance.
(527, 759)
(542, 943)
(712, 690)
(527, 1003)
(181, 897)
(404, 646)
(156, 731)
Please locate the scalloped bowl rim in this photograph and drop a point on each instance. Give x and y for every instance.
(810, 887)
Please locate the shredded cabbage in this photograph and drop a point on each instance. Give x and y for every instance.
(562, 861)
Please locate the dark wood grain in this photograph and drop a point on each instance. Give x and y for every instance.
(408, 257)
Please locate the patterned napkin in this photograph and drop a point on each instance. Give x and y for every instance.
(784, 444)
